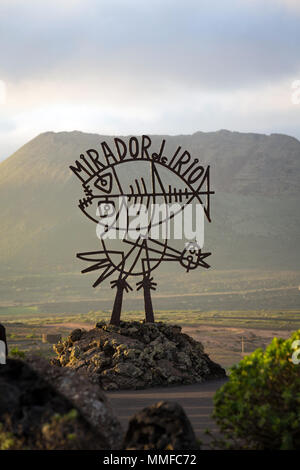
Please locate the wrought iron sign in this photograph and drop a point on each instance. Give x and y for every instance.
(142, 202)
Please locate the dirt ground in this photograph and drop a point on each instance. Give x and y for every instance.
(227, 345)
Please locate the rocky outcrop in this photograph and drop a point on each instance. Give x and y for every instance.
(136, 355)
(44, 407)
(162, 426)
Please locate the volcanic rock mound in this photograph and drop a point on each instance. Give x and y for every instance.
(136, 355)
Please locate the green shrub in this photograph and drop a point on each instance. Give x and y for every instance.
(8, 441)
(259, 406)
(16, 353)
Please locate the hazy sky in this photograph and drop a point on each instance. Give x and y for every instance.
(147, 66)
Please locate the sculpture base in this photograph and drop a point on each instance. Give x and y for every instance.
(136, 355)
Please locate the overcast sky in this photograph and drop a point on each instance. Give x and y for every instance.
(147, 66)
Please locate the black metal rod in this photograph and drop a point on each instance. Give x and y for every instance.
(116, 313)
(148, 305)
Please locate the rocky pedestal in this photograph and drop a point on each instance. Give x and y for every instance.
(136, 355)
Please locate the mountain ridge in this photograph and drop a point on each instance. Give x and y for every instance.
(254, 211)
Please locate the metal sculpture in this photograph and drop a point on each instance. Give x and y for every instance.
(131, 176)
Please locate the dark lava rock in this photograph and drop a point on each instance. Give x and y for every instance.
(162, 426)
(46, 407)
(137, 355)
(75, 335)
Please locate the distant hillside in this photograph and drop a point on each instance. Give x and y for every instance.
(255, 212)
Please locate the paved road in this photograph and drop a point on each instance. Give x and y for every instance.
(196, 399)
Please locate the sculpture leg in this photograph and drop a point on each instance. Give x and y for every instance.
(121, 285)
(148, 305)
(147, 285)
(116, 312)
